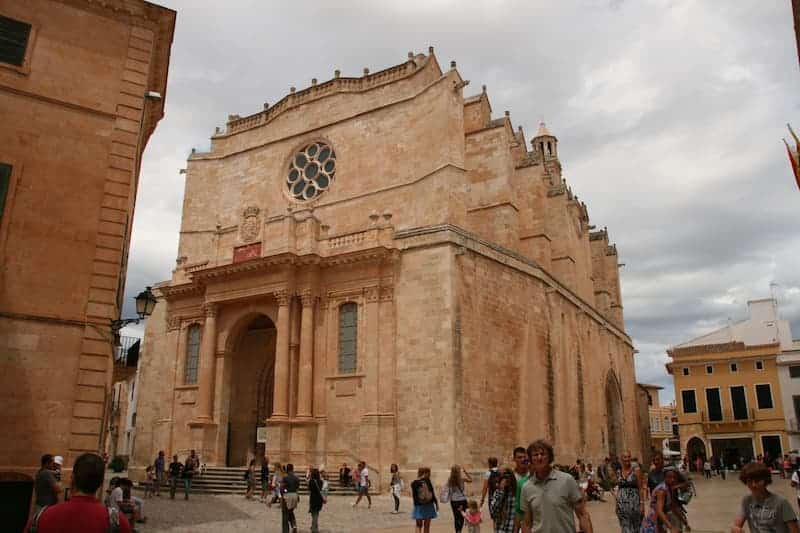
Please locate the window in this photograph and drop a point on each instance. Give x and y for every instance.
(649, 399)
(133, 420)
(794, 370)
(764, 396)
(5, 180)
(14, 36)
(311, 171)
(685, 371)
(759, 365)
(739, 403)
(133, 386)
(710, 369)
(348, 336)
(689, 401)
(734, 367)
(192, 354)
(714, 405)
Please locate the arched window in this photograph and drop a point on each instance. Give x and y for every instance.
(192, 354)
(348, 336)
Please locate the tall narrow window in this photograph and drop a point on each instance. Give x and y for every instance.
(689, 401)
(5, 180)
(764, 396)
(348, 336)
(192, 354)
(14, 35)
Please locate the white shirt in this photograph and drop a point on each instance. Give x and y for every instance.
(796, 481)
(115, 497)
(364, 476)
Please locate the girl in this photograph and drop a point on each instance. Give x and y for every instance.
(396, 485)
(472, 516)
(631, 496)
(315, 498)
(503, 502)
(425, 504)
(150, 481)
(657, 519)
(250, 478)
(277, 479)
(454, 492)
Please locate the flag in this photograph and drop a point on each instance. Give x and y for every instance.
(793, 155)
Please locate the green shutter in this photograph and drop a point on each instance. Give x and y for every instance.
(14, 36)
(5, 179)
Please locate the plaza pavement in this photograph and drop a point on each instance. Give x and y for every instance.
(712, 510)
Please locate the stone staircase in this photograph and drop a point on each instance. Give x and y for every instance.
(230, 480)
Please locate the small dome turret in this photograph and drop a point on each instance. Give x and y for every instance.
(545, 144)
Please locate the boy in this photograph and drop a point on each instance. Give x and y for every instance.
(763, 510)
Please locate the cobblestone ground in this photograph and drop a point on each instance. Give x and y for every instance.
(712, 510)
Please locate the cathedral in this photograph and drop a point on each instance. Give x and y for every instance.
(376, 269)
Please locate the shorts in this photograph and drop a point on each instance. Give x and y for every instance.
(362, 489)
(291, 499)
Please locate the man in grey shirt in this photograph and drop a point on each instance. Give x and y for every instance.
(47, 486)
(551, 498)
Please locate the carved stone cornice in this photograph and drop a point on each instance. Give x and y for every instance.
(173, 292)
(282, 296)
(173, 323)
(210, 309)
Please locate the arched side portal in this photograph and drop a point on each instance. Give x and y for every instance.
(251, 389)
(614, 415)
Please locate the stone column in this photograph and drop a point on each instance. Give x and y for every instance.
(208, 347)
(280, 401)
(305, 385)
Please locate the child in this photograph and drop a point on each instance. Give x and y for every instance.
(472, 517)
(150, 481)
(763, 510)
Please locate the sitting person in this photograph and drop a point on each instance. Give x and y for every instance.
(344, 474)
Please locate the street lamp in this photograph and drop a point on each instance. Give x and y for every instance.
(145, 302)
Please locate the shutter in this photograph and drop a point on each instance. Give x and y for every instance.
(13, 40)
(5, 180)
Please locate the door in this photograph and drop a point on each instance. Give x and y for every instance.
(738, 403)
(714, 405)
(771, 447)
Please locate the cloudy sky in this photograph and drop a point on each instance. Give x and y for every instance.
(669, 116)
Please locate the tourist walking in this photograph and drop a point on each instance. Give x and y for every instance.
(656, 477)
(290, 497)
(631, 496)
(363, 484)
(189, 470)
(316, 499)
(454, 493)
(662, 506)
(550, 498)
(522, 472)
(472, 517)
(764, 511)
(175, 471)
(490, 480)
(149, 481)
(250, 479)
(46, 485)
(502, 505)
(277, 481)
(426, 506)
(160, 465)
(83, 512)
(396, 486)
(795, 481)
(707, 469)
(264, 478)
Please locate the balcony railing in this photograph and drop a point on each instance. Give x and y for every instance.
(727, 416)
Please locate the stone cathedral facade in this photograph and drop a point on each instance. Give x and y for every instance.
(374, 268)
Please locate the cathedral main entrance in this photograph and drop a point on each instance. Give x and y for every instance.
(251, 390)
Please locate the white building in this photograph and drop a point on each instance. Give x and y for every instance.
(789, 376)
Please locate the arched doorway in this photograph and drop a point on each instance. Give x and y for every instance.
(251, 386)
(695, 448)
(614, 419)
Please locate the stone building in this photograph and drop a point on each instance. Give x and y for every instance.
(82, 87)
(375, 268)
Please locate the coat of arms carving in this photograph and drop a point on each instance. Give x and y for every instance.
(251, 224)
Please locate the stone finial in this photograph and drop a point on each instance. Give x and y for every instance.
(337, 73)
(292, 89)
(374, 217)
(217, 130)
(430, 50)
(366, 71)
(508, 113)
(313, 81)
(484, 89)
(411, 55)
(194, 150)
(266, 106)
(452, 64)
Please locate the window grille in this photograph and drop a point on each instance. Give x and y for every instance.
(192, 354)
(14, 35)
(348, 338)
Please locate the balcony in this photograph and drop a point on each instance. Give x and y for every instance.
(126, 358)
(726, 418)
(792, 426)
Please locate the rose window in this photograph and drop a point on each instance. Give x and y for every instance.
(311, 171)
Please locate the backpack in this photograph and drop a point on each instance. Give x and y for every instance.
(494, 481)
(113, 520)
(424, 494)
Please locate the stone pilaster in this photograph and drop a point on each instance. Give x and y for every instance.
(280, 402)
(305, 384)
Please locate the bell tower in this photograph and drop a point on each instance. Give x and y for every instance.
(545, 144)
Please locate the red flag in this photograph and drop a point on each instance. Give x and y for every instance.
(793, 155)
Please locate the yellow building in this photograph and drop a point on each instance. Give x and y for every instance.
(660, 416)
(727, 389)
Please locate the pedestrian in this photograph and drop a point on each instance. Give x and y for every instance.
(126, 505)
(698, 464)
(502, 505)
(315, 498)
(277, 481)
(764, 511)
(250, 479)
(290, 497)
(472, 517)
(46, 485)
(189, 469)
(175, 471)
(363, 484)
(656, 477)
(426, 506)
(786, 471)
(490, 480)
(550, 498)
(631, 496)
(160, 464)
(522, 472)
(83, 512)
(661, 502)
(264, 478)
(325, 486)
(707, 469)
(454, 493)
(58, 462)
(149, 481)
(396, 486)
(344, 475)
(795, 481)
(722, 467)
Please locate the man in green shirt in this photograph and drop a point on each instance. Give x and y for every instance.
(522, 473)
